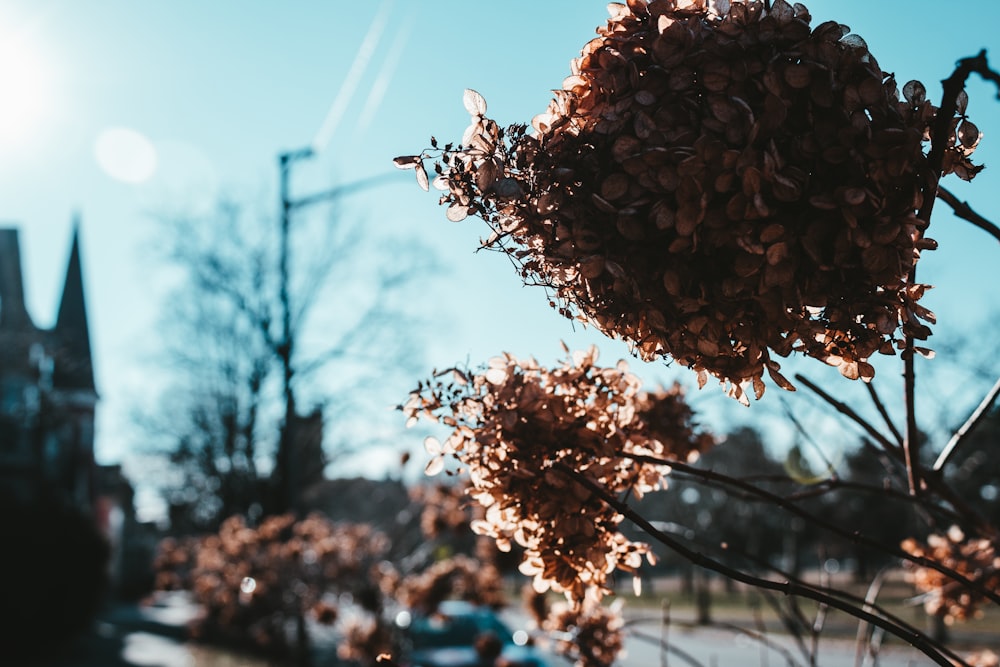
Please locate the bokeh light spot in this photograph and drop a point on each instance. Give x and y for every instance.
(125, 155)
(248, 585)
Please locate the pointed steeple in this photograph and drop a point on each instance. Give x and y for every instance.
(73, 364)
(13, 313)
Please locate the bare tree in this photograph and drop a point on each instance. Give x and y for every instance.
(218, 422)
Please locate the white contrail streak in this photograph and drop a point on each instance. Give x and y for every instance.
(384, 77)
(350, 85)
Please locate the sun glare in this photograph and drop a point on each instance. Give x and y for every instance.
(24, 90)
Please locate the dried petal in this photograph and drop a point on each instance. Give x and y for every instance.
(914, 92)
(474, 103)
(422, 177)
(407, 161)
(434, 466)
(968, 134)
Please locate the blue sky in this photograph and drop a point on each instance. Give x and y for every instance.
(204, 95)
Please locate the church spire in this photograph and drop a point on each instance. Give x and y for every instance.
(74, 366)
(13, 313)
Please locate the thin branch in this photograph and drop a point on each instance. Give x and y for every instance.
(863, 628)
(963, 210)
(664, 630)
(688, 658)
(813, 519)
(787, 409)
(669, 648)
(912, 438)
(820, 619)
(967, 427)
(831, 485)
(932, 649)
(789, 613)
(884, 413)
(789, 619)
(845, 409)
(932, 481)
(953, 86)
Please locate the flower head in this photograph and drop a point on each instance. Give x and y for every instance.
(717, 183)
(531, 439)
(976, 559)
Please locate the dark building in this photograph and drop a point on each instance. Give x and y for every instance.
(47, 392)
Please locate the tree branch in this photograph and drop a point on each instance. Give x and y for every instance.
(812, 519)
(786, 408)
(884, 413)
(933, 481)
(953, 87)
(792, 586)
(963, 210)
(831, 485)
(847, 410)
(911, 440)
(967, 427)
(669, 648)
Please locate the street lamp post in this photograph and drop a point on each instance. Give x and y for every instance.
(285, 468)
(285, 460)
(286, 485)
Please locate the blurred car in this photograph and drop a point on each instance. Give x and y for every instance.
(460, 634)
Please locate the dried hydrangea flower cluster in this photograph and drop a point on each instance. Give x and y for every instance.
(367, 633)
(983, 658)
(719, 184)
(592, 636)
(526, 436)
(445, 509)
(251, 581)
(595, 631)
(975, 559)
(363, 638)
(457, 578)
(173, 562)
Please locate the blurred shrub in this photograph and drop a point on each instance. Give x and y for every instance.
(257, 583)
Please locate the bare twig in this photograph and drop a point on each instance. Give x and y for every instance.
(664, 633)
(828, 486)
(813, 519)
(967, 427)
(932, 481)
(885, 414)
(963, 210)
(668, 648)
(787, 409)
(791, 618)
(912, 438)
(863, 641)
(847, 410)
(756, 636)
(953, 87)
(820, 619)
(836, 599)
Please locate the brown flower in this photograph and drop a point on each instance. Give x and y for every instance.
(593, 635)
(975, 559)
(721, 185)
(251, 581)
(459, 578)
(528, 436)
